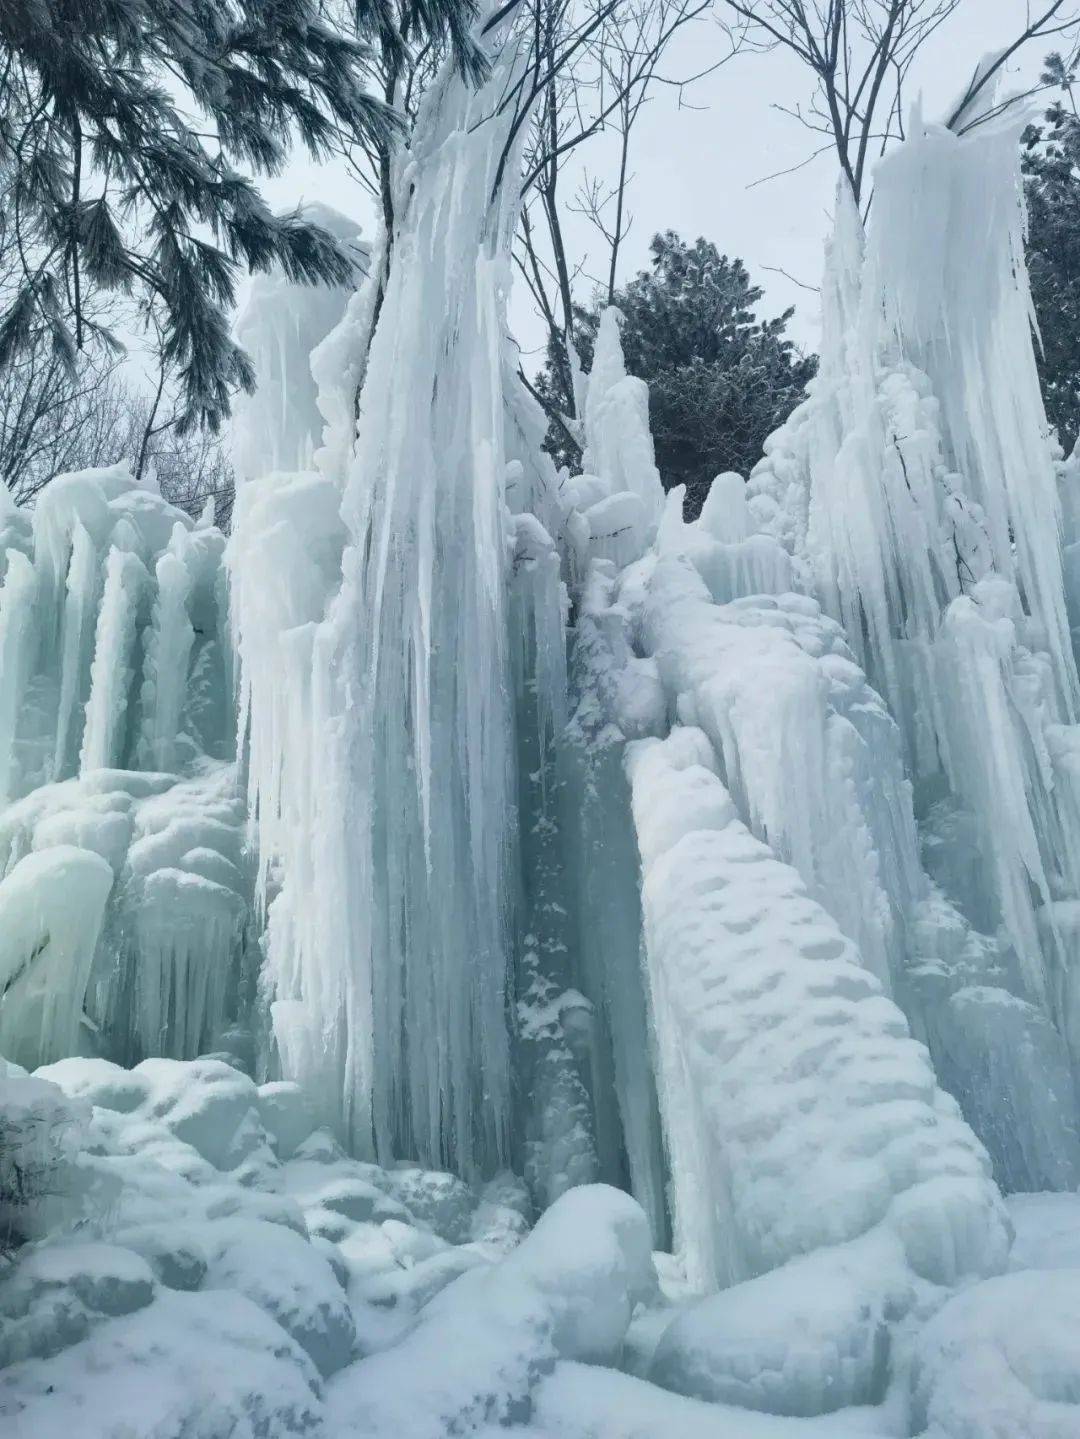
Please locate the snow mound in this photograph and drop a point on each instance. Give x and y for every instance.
(197, 1365)
(1002, 1359)
(808, 1338)
(567, 1291)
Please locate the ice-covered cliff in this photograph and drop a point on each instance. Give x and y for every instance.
(488, 840)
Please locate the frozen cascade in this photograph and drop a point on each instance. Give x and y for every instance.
(896, 487)
(580, 842)
(389, 961)
(124, 896)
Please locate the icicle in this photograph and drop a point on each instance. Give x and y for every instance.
(106, 709)
(18, 636)
(168, 651)
(389, 942)
(280, 324)
(80, 606)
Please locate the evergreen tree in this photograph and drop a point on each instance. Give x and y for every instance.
(720, 380)
(1052, 185)
(112, 185)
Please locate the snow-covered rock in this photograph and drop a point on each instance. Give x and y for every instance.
(1002, 1359)
(808, 1338)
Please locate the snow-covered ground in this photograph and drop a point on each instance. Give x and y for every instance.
(214, 1265)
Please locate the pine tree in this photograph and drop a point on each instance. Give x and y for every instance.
(1052, 186)
(720, 380)
(113, 185)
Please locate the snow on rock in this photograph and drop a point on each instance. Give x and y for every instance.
(577, 1401)
(1001, 1359)
(198, 1365)
(568, 1291)
(281, 1273)
(798, 1026)
(58, 1293)
(181, 1211)
(808, 1338)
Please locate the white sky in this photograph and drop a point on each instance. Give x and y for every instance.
(694, 169)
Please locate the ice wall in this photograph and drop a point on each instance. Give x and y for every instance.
(916, 492)
(390, 938)
(124, 898)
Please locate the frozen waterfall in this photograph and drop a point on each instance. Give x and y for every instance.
(533, 831)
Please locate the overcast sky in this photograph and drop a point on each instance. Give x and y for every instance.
(694, 169)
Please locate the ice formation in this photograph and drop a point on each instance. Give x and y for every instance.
(124, 894)
(280, 324)
(707, 888)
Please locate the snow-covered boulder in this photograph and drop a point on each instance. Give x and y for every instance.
(56, 1294)
(194, 1365)
(808, 1338)
(1000, 1360)
(480, 1346)
(289, 1279)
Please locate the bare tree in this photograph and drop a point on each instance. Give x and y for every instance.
(861, 53)
(592, 72)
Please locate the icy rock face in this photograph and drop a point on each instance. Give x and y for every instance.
(124, 895)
